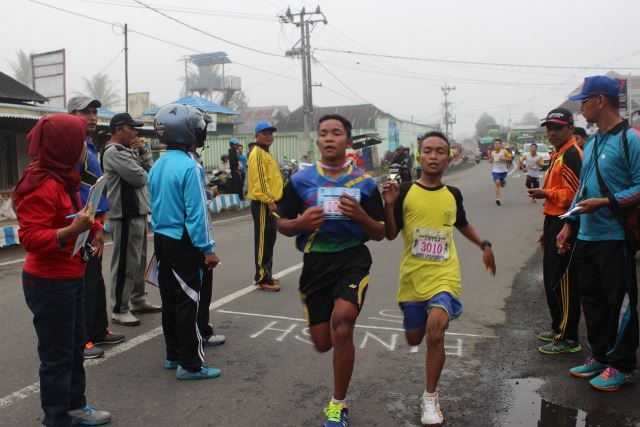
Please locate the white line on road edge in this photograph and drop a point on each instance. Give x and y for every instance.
(222, 221)
(382, 328)
(134, 342)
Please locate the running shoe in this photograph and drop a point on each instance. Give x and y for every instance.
(204, 373)
(170, 364)
(559, 347)
(214, 340)
(547, 336)
(590, 368)
(610, 380)
(110, 338)
(337, 415)
(498, 202)
(431, 413)
(92, 352)
(89, 416)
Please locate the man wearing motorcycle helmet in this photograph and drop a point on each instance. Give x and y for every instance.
(183, 246)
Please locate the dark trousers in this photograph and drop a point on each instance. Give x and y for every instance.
(179, 274)
(58, 317)
(95, 300)
(561, 284)
(205, 300)
(609, 291)
(265, 231)
(236, 185)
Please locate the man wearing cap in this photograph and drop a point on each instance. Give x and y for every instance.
(126, 163)
(243, 162)
(235, 166)
(559, 276)
(603, 256)
(265, 189)
(96, 319)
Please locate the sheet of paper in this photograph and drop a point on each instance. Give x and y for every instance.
(575, 210)
(95, 193)
(329, 199)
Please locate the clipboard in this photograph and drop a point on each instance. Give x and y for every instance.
(95, 193)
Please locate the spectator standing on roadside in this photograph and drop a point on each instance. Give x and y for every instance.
(265, 189)
(236, 168)
(96, 318)
(603, 253)
(52, 279)
(560, 281)
(126, 163)
(243, 162)
(181, 237)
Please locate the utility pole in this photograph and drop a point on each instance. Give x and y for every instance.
(126, 70)
(304, 19)
(449, 119)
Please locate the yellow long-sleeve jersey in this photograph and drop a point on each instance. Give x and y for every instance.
(265, 179)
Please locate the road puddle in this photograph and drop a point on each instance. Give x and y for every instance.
(529, 409)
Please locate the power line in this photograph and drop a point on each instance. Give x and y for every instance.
(342, 83)
(207, 33)
(451, 61)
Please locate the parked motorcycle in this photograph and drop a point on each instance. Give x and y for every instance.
(399, 172)
(220, 180)
(289, 167)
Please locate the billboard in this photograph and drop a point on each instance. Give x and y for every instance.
(49, 76)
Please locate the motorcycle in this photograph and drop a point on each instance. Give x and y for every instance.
(220, 180)
(478, 158)
(399, 172)
(289, 167)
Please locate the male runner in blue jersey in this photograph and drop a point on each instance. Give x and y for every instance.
(333, 209)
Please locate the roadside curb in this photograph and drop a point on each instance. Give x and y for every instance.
(9, 236)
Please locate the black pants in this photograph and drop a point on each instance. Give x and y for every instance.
(95, 300)
(561, 284)
(58, 317)
(205, 300)
(532, 182)
(236, 185)
(179, 274)
(609, 291)
(265, 232)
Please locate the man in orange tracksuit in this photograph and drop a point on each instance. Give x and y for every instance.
(560, 187)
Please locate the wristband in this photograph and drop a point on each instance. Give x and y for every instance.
(484, 244)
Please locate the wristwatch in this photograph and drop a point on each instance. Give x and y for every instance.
(484, 244)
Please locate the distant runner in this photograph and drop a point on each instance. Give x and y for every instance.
(499, 158)
(531, 163)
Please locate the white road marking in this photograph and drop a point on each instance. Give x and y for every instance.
(133, 342)
(381, 328)
(222, 221)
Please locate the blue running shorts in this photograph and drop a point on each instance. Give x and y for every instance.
(416, 312)
(502, 176)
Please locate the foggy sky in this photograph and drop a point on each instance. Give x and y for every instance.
(563, 33)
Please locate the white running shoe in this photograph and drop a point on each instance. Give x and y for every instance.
(431, 413)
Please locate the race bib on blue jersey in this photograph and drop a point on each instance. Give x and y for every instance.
(329, 200)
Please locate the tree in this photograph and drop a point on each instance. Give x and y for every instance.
(482, 123)
(238, 101)
(22, 70)
(101, 87)
(530, 119)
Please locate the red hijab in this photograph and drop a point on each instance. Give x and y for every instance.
(55, 144)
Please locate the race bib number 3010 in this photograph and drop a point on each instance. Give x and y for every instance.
(329, 199)
(433, 245)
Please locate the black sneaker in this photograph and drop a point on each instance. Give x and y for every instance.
(559, 347)
(91, 351)
(110, 338)
(498, 202)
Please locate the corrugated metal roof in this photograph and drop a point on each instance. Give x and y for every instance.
(19, 116)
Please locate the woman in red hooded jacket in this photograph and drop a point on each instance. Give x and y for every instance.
(52, 279)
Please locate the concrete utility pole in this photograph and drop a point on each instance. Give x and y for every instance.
(304, 19)
(126, 69)
(449, 118)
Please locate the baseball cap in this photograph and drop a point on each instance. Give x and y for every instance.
(597, 85)
(233, 141)
(562, 116)
(80, 102)
(262, 126)
(123, 119)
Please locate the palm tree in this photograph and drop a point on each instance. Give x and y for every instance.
(22, 70)
(101, 87)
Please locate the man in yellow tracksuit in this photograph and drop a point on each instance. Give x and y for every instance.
(265, 189)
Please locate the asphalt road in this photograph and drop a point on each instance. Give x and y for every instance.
(271, 375)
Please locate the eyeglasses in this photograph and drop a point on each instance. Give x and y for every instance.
(584, 101)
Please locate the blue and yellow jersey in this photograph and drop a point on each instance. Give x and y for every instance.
(335, 234)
